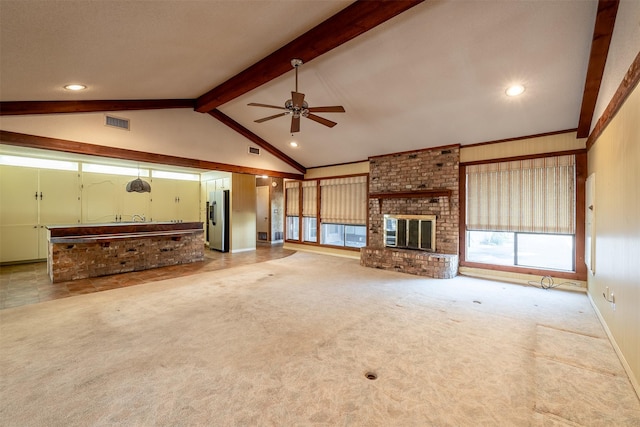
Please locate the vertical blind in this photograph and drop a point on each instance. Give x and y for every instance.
(533, 195)
(310, 198)
(293, 197)
(344, 200)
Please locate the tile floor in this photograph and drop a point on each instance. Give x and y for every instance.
(23, 284)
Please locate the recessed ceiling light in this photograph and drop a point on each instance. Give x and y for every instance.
(514, 90)
(75, 87)
(293, 144)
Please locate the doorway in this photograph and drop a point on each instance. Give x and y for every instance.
(263, 222)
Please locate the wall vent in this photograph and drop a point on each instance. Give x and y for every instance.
(116, 122)
(254, 150)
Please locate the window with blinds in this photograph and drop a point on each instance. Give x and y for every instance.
(522, 212)
(310, 211)
(335, 206)
(344, 200)
(292, 210)
(534, 195)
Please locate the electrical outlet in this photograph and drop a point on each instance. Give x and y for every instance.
(613, 301)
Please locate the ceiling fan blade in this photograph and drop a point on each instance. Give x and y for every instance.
(254, 104)
(295, 124)
(333, 109)
(264, 119)
(297, 98)
(321, 120)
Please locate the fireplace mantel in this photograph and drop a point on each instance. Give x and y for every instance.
(410, 194)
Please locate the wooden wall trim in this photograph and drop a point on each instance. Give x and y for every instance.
(602, 32)
(352, 21)
(525, 157)
(15, 108)
(419, 150)
(45, 143)
(628, 84)
(228, 121)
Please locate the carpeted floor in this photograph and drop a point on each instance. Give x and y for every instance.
(290, 341)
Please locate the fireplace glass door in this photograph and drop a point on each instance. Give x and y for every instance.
(410, 232)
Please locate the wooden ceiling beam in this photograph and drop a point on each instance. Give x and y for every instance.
(15, 108)
(67, 146)
(352, 21)
(602, 32)
(228, 121)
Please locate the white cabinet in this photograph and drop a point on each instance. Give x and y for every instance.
(31, 199)
(176, 201)
(105, 199)
(59, 199)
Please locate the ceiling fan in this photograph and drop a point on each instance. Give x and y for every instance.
(298, 107)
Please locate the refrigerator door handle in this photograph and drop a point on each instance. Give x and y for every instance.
(212, 213)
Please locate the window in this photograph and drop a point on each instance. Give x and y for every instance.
(310, 210)
(338, 205)
(310, 226)
(547, 251)
(522, 213)
(293, 228)
(292, 191)
(351, 236)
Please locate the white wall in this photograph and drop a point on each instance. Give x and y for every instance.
(175, 132)
(625, 44)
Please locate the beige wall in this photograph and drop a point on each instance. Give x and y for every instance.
(615, 160)
(523, 147)
(338, 170)
(243, 212)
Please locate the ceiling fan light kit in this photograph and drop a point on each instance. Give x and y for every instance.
(297, 107)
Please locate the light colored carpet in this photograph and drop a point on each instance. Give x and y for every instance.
(288, 342)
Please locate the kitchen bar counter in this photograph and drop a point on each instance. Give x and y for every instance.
(90, 250)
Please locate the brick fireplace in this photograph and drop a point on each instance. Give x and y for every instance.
(421, 182)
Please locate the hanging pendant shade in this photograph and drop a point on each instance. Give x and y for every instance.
(138, 186)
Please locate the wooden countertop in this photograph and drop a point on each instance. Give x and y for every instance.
(121, 229)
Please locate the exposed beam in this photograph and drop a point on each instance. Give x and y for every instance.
(345, 25)
(45, 143)
(12, 108)
(228, 121)
(602, 32)
(629, 82)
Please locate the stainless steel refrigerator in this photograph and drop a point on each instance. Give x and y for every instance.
(219, 220)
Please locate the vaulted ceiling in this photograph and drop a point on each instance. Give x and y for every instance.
(410, 74)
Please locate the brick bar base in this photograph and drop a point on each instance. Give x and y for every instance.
(72, 261)
(438, 266)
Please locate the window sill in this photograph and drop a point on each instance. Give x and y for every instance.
(526, 270)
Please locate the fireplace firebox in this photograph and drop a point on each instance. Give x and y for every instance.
(410, 232)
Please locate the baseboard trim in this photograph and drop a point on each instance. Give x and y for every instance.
(625, 365)
(235, 251)
(521, 278)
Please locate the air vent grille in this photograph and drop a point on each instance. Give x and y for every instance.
(254, 150)
(117, 122)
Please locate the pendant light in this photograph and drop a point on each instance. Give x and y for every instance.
(138, 185)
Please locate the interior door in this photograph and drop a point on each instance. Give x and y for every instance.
(262, 213)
